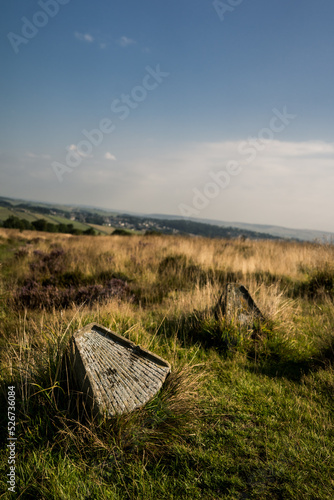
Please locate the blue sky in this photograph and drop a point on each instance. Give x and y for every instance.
(220, 110)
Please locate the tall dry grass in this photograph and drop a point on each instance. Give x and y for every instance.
(142, 254)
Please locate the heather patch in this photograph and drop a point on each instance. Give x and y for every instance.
(50, 286)
(35, 295)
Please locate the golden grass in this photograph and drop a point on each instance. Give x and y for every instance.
(141, 254)
(138, 257)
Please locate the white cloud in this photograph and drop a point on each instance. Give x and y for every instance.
(298, 149)
(124, 41)
(195, 160)
(109, 156)
(84, 37)
(34, 156)
(74, 147)
(287, 183)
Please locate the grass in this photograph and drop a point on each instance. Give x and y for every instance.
(102, 229)
(245, 413)
(56, 219)
(31, 217)
(5, 213)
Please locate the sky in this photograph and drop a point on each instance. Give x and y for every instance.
(210, 109)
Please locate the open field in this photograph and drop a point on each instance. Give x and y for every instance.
(32, 216)
(56, 219)
(245, 414)
(102, 229)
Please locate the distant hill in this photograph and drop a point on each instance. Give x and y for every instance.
(277, 231)
(105, 221)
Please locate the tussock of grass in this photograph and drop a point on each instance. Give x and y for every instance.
(167, 419)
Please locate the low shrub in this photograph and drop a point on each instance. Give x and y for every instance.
(48, 264)
(21, 253)
(319, 282)
(35, 295)
(121, 232)
(173, 264)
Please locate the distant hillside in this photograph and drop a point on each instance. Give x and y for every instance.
(105, 221)
(285, 232)
(209, 230)
(277, 231)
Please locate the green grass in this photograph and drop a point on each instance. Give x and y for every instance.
(21, 214)
(102, 229)
(56, 219)
(245, 414)
(32, 216)
(5, 213)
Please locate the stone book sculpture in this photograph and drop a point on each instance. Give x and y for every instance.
(115, 375)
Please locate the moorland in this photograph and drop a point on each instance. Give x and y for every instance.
(247, 412)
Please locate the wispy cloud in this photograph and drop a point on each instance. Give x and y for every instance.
(78, 151)
(124, 41)
(109, 156)
(288, 183)
(34, 156)
(84, 37)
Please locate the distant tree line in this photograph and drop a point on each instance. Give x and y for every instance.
(42, 225)
(210, 230)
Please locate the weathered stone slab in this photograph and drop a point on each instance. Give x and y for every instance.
(236, 304)
(116, 375)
